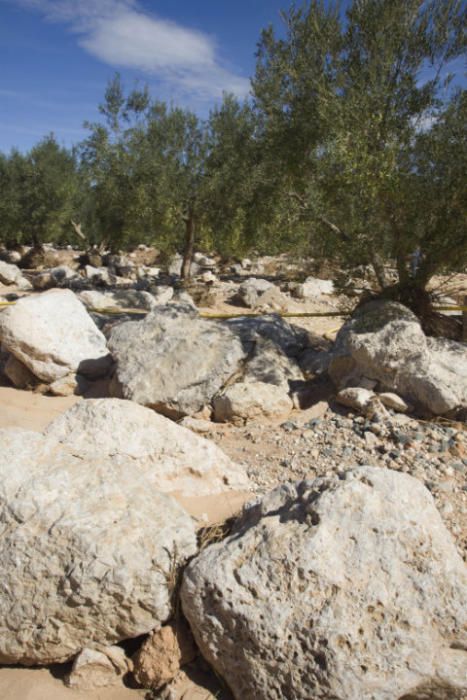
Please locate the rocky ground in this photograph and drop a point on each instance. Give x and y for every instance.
(325, 439)
(285, 427)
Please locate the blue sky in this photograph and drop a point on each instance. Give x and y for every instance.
(58, 55)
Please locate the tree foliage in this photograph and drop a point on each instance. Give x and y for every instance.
(353, 149)
(346, 101)
(39, 192)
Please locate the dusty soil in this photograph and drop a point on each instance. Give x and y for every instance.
(45, 684)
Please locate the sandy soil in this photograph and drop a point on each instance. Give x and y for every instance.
(23, 409)
(44, 684)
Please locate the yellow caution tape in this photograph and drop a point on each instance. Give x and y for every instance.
(322, 314)
(276, 313)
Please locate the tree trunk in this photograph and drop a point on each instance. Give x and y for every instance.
(380, 272)
(189, 246)
(402, 272)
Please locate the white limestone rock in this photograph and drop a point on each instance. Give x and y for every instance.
(174, 361)
(53, 336)
(171, 457)
(246, 401)
(391, 400)
(385, 342)
(88, 549)
(251, 291)
(314, 288)
(117, 300)
(338, 589)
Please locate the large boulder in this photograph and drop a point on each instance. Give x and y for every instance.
(174, 458)
(173, 360)
(53, 335)
(385, 342)
(340, 589)
(89, 551)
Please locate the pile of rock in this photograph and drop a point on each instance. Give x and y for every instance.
(179, 363)
(327, 586)
(384, 343)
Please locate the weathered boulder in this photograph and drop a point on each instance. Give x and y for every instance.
(385, 342)
(100, 275)
(245, 401)
(340, 589)
(53, 335)
(45, 256)
(272, 300)
(88, 553)
(162, 655)
(173, 458)
(162, 294)
(173, 360)
(94, 668)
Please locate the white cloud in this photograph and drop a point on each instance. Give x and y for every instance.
(121, 34)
